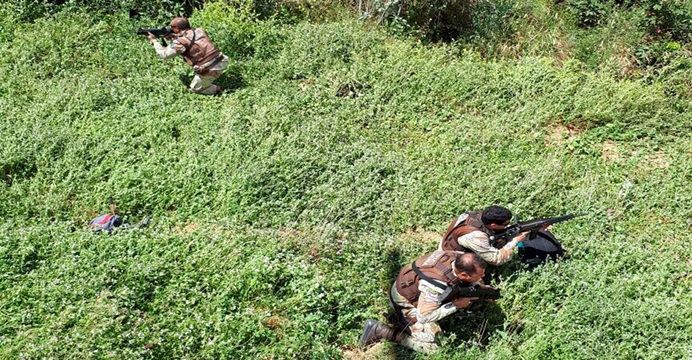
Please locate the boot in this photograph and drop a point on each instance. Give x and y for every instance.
(373, 331)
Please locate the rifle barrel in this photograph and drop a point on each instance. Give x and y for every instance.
(532, 225)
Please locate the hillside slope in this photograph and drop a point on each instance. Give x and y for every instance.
(283, 210)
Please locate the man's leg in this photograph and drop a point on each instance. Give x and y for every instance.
(417, 337)
(204, 84)
(422, 337)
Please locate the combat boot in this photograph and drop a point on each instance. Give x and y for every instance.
(373, 331)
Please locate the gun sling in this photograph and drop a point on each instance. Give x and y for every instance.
(447, 272)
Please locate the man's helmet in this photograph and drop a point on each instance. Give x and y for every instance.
(181, 23)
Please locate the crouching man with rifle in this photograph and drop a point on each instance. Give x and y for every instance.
(197, 50)
(433, 287)
(491, 234)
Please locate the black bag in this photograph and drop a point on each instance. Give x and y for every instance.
(543, 247)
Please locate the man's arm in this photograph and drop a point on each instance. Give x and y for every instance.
(430, 307)
(479, 242)
(165, 53)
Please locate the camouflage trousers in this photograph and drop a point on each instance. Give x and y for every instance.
(422, 336)
(204, 84)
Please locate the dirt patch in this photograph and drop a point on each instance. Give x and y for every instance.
(273, 322)
(562, 49)
(658, 160)
(289, 233)
(306, 85)
(626, 62)
(558, 134)
(419, 236)
(190, 227)
(609, 151)
(376, 351)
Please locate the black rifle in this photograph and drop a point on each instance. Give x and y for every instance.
(475, 291)
(532, 225)
(160, 33)
(401, 323)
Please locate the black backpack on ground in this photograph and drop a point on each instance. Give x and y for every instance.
(541, 248)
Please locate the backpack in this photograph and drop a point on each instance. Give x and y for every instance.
(540, 249)
(106, 222)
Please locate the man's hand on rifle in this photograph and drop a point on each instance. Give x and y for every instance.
(462, 303)
(521, 236)
(151, 37)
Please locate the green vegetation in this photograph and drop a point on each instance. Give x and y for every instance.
(283, 210)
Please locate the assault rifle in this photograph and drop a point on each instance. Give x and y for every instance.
(400, 322)
(532, 225)
(160, 33)
(476, 291)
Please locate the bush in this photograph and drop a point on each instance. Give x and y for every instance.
(29, 10)
(662, 17)
(669, 17)
(588, 13)
(435, 19)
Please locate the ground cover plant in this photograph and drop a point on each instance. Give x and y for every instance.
(283, 209)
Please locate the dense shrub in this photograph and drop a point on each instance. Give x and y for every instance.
(588, 12)
(662, 17)
(33, 9)
(435, 19)
(669, 17)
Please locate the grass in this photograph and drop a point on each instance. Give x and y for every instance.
(284, 209)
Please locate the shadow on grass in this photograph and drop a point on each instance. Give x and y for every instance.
(394, 265)
(475, 325)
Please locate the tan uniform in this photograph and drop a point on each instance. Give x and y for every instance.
(425, 302)
(213, 62)
(467, 233)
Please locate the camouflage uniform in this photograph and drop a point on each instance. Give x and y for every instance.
(201, 83)
(467, 233)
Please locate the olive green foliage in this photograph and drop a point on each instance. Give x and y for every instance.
(283, 210)
(671, 17)
(634, 39)
(30, 10)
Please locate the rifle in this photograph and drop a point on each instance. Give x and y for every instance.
(160, 33)
(476, 291)
(532, 225)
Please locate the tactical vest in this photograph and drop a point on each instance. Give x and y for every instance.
(436, 265)
(198, 48)
(466, 223)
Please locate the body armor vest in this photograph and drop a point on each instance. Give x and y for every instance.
(436, 265)
(470, 222)
(198, 48)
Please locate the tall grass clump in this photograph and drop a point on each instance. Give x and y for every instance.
(283, 209)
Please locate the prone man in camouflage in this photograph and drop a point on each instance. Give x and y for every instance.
(471, 232)
(422, 294)
(198, 51)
